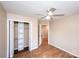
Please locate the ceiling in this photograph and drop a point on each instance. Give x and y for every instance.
(31, 8)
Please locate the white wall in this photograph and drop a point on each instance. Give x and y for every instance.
(3, 32)
(33, 25)
(64, 34)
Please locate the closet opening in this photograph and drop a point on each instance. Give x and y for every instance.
(21, 37)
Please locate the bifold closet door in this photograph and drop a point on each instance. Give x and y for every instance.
(20, 36)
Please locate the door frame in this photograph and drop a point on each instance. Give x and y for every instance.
(8, 35)
(40, 39)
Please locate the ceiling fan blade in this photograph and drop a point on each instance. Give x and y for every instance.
(51, 9)
(58, 15)
(43, 17)
(39, 14)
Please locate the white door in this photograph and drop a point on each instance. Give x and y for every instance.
(40, 38)
(11, 40)
(20, 36)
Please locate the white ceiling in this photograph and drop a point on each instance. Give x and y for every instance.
(30, 8)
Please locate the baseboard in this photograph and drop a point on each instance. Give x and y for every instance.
(65, 50)
(31, 49)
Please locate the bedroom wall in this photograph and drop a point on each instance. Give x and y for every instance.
(64, 34)
(3, 32)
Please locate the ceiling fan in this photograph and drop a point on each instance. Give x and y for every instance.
(50, 14)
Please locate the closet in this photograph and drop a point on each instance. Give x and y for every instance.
(21, 36)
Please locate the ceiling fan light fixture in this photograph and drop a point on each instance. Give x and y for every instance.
(50, 13)
(48, 17)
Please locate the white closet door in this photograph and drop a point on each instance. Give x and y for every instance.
(11, 40)
(20, 36)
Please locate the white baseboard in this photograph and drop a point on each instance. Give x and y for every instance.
(31, 49)
(65, 50)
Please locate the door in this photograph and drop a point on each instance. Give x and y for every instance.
(39, 41)
(20, 36)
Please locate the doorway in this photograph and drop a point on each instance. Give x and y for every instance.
(18, 37)
(43, 34)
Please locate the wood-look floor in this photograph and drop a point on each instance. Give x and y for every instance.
(44, 51)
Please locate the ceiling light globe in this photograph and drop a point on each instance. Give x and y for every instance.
(48, 17)
(50, 13)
